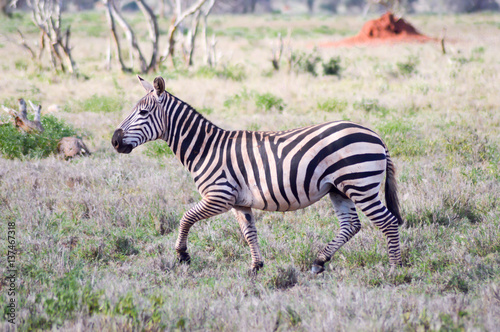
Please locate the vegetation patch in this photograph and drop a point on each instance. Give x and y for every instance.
(402, 138)
(96, 104)
(332, 105)
(15, 144)
(229, 72)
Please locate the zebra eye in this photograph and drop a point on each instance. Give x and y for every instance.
(143, 112)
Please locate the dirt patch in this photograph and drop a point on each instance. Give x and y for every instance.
(386, 29)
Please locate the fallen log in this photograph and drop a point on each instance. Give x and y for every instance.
(21, 120)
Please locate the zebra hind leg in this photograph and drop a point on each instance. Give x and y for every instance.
(349, 226)
(206, 208)
(246, 221)
(381, 217)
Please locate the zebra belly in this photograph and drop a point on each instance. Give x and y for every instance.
(270, 201)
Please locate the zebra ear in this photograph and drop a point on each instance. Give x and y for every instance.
(159, 84)
(146, 85)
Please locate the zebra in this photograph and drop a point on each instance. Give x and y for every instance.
(270, 170)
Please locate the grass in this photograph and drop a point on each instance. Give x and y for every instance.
(95, 236)
(96, 103)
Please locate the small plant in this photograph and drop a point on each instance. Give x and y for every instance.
(287, 320)
(228, 71)
(409, 66)
(332, 105)
(124, 246)
(238, 99)
(284, 279)
(372, 105)
(16, 145)
(263, 101)
(302, 62)
(267, 101)
(332, 67)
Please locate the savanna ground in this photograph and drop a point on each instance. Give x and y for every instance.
(95, 236)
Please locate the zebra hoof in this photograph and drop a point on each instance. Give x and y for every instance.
(257, 266)
(184, 258)
(317, 269)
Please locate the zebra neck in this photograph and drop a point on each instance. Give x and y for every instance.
(190, 136)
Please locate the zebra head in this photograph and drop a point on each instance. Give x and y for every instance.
(145, 123)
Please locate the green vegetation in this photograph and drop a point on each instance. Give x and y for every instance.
(305, 62)
(267, 101)
(409, 66)
(229, 72)
(262, 101)
(332, 105)
(332, 67)
(96, 103)
(15, 144)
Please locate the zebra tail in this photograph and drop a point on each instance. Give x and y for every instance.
(391, 191)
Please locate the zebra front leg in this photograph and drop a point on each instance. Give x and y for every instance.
(349, 226)
(246, 221)
(206, 208)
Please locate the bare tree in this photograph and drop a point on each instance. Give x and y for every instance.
(209, 57)
(46, 14)
(114, 15)
(178, 19)
(189, 42)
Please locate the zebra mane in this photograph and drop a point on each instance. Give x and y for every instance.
(188, 108)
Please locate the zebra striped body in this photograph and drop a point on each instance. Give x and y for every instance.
(272, 171)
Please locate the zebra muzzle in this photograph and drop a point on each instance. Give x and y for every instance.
(117, 142)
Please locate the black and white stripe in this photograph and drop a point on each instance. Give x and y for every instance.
(272, 171)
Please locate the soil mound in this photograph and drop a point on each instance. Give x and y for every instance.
(385, 29)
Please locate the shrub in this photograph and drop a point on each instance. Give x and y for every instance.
(284, 278)
(238, 99)
(332, 67)
(306, 63)
(267, 101)
(16, 144)
(409, 66)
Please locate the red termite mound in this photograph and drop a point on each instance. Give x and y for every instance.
(384, 29)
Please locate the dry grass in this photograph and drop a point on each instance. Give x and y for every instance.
(96, 235)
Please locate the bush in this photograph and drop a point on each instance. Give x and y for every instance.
(332, 67)
(238, 99)
(409, 66)
(306, 63)
(267, 101)
(15, 144)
